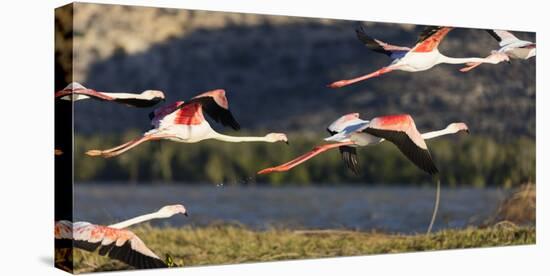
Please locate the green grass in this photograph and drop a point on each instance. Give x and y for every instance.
(230, 244)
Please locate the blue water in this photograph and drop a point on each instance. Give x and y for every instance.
(392, 209)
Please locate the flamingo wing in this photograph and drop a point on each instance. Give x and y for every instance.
(83, 91)
(503, 37)
(401, 131)
(118, 244)
(379, 46)
(219, 113)
(341, 129)
(213, 102)
(349, 156)
(430, 38)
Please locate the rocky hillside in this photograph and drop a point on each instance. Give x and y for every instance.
(275, 70)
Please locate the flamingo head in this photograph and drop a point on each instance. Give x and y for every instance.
(154, 94)
(458, 127)
(170, 210)
(276, 137)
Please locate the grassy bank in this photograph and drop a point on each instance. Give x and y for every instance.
(227, 244)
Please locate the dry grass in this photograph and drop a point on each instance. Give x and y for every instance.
(519, 207)
(230, 244)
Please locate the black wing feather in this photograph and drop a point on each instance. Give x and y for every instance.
(125, 254)
(370, 42)
(122, 253)
(88, 246)
(420, 157)
(349, 156)
(494, 35)
(218, 113)
(427, 32)
(140, 102)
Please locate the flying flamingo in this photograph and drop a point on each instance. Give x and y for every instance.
(76, 92)
(185, 123)
(423, 56)
(510, 45)
(349, 132)
(113, 240)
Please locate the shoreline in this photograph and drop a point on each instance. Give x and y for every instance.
(234, 244)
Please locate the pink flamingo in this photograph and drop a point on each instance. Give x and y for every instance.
(76, 92)
(423, 56)
(113, 240)
(510, 46)
(185, 123)
(349, 132)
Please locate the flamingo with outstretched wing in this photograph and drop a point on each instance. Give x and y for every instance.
(184, 122)
(77, 92)
(113, 240)
(349, 132)
(423, 56)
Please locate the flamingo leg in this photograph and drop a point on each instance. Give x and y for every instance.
(436, 205)
(342, 83)
(125, 147)
(101, 152)
(470, 66)
(303, 158)
(121, 146)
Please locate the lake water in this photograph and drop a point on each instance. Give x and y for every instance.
(392, 209)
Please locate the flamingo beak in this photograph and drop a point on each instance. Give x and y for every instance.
(185, 214)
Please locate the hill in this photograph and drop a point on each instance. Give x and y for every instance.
(275, 70)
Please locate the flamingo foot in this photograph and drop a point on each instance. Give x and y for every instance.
(266, 171)
(272, 170)
(94, 152)
(338, 84)
(469, 67)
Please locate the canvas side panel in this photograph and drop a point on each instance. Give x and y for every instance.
(63, 132)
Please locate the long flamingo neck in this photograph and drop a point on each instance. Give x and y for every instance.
(238, 139)
(451, 60)
(437, 133)
(132, 221)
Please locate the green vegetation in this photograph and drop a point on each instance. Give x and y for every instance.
(229, 244)
(464, 160)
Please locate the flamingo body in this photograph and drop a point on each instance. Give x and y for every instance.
(417, 61)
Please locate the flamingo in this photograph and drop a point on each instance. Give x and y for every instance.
(76, 92)
(349, 132)
(423, 56)
(113, 240)
(184, 122)
(510, 46)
